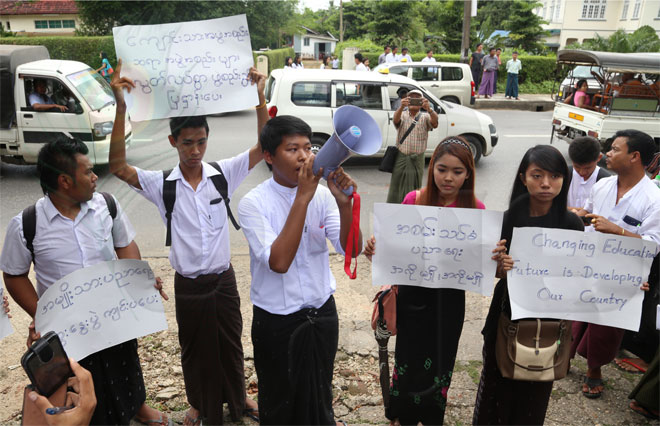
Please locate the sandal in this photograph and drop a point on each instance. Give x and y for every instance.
(163, 420)
(251, 413)
(630, 365)
(591, 384)
(634, 405)
(194, 421)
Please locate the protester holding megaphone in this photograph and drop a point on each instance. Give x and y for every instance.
(287, 221)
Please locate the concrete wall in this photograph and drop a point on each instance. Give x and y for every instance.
(25, 23)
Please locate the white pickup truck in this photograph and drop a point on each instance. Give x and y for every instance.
(90, 105)
(628, 96)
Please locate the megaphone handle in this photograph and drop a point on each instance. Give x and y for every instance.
(353, 235)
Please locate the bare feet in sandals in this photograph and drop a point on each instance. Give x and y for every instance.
(631, 365)
(193, 417)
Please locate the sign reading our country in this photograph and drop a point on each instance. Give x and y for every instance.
(584, 276)
(101, 306)
(435, 247)
(187, 68)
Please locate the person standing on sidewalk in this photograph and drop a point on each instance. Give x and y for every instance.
(207, 302)
(498, 52)
(488, 81)
(381, 58)
(475, 65)
(513, 67)
(414, 119)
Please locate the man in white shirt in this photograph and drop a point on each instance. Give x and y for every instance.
(207, 301)
(393, 55)
(381, 58)
(627, 204)
(73, 229)
(359, 62)
(404, 57)
(585, 154)
(287, 221)
(429, 56)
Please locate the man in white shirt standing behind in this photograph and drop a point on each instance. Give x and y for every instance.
(287, 221)
(207, 301)
(392, 56)
(429, 56)
(585, 154)
(627, 204)
(404, 57)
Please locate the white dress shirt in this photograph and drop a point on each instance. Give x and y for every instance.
(309, 281)
(407, 58)
(62, 245)
(390, 57)
(200, 230)
(361, 67)
(642, 203)
(578, 192)
(427, 59)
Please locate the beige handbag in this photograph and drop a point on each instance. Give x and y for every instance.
(533, 349)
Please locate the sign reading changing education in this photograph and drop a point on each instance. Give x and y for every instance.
(101, 306)
(5, 325)
(435, 247)
(187, 68)
(584, 276)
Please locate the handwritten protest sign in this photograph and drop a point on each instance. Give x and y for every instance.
(584, 276)
(187, 68)
(435, 247)
(101, 306)
(5, 325)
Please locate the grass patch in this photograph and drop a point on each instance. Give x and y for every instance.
(472, 368)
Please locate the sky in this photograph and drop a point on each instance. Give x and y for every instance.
(315, 4)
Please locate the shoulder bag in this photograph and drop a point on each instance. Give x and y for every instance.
(387, 163)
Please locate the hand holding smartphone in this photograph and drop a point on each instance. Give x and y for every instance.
(47, 364)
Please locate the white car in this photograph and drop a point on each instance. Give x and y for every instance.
(314, 95)
(449, 81)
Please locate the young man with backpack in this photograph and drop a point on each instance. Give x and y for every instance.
(70, 228)
(193, 201)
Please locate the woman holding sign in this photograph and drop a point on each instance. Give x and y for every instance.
(538, 199)
(430, 321)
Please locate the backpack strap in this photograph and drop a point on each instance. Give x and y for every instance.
(112, 206)
(29, 218)
(169, 197)
(221, 185)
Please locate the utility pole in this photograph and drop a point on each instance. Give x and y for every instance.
(465, 40)
(341, 20)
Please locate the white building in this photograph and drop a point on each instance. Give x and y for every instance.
(571, 21)
(311, 44)
(41, 17)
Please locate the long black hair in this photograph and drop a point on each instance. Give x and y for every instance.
(547, 158)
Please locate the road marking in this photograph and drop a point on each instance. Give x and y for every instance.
(526, 136)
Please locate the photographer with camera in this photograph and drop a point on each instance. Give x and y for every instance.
(414, 119)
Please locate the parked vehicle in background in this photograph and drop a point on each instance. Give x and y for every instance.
(314, 95)
(576, 74)
(90, 105)
(628, 97)
(449, 81)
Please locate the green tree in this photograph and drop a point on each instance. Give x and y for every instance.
(644, 39)
(264, 18)
(444, 21)
(525, 26)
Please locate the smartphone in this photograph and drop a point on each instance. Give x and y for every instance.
(47, 364)
(416, 101)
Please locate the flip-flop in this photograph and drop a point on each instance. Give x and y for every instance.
(251, 413)
(592, 383)
(641, 410)
(195, 421)
(160, 421)
(633, 362)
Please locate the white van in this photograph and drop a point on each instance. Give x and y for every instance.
(88, 97)
(449, 81)
(314, 95)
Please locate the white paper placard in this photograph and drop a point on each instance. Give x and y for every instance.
(5, 325)
(584, 276)
(101, 306)
(187, 68)
(435, 247)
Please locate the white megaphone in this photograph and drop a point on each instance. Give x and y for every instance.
(356, 132)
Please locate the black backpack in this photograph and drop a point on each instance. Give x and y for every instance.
(30, 220)
(169, 197)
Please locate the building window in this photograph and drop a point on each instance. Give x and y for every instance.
(551, 14)
(624, 11)
(55, 24)
(306, 41)
(68, 23)
(638, 7)
(558, 11)
(8, 25)
(593, 9)
(543, 12)
(40, 24)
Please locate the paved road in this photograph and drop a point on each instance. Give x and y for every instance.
(233, 133)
